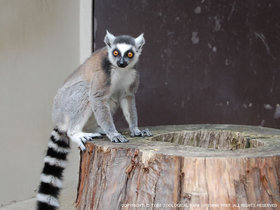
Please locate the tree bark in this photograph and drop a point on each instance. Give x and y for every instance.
(183, 167)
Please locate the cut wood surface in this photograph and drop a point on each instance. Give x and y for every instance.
(183, 167)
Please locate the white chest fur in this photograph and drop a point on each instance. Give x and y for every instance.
(121, 79)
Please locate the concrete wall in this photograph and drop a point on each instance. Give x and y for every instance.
(39, 47)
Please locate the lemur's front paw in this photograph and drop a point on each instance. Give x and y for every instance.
(137, 132)
(81, 138)
(119, 139)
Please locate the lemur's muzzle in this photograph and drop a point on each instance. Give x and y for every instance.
(122, 63)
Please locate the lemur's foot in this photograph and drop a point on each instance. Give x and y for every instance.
(119, 139)
(81, 138)
(137, 132)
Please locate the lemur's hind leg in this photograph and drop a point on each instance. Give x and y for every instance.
(77, 122)
(92, 125)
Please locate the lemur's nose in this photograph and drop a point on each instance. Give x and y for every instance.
(121, 63)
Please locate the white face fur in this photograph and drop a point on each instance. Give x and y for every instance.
(124, 51)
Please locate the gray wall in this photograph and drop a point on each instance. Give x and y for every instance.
(39, 46)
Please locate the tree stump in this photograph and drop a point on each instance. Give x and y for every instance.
(183, 167)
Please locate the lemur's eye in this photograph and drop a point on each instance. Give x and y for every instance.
(115, 53)
(130, 54)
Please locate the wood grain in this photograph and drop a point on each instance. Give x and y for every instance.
(184, 167)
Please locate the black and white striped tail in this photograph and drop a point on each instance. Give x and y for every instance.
(51, 177)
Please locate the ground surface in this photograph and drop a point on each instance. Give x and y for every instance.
(68, 196)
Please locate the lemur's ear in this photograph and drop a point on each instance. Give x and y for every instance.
(109, 38)
(140, 41)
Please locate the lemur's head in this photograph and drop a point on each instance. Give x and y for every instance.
(124, 50)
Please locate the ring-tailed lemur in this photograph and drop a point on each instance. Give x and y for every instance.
(106, 80)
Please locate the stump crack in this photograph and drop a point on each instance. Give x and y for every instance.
(158, 173)
(155, 192)
(129, 170)
(154, 197)
(181, 179)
